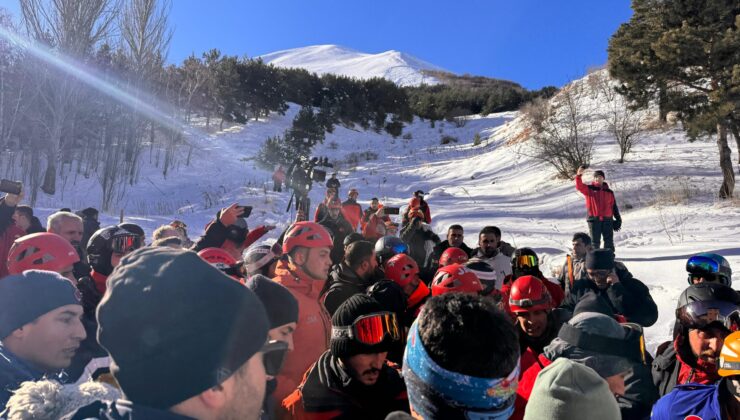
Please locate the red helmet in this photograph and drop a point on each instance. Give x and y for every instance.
(217, 257)
(455, 278)
(41, 251)
(453, 255)
(528, 293)
(401, 269)
(306, 234)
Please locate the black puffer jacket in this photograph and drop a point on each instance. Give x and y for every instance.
(344, 283)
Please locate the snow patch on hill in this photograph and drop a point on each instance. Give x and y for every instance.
(398, 67)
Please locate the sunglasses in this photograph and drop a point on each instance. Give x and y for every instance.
(124, 244)
(273, 356)
(701, 314)
(370, 329)
(525, 261)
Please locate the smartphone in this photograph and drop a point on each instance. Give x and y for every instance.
(246, 211)
(392, 210)
(10, 187)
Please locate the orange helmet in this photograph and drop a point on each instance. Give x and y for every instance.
(401, 269)
(528, 294)
(455, 278)
(41, 251)
(306, 234)
(729, 356)
(453, 255)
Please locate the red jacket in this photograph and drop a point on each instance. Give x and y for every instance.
(599, 199)
(278, 175)
(9, 232)
(311, 337)
(526, 383)
(352, 212)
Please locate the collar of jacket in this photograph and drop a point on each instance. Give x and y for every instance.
(344, 274)
(301, 281)
(20, 367)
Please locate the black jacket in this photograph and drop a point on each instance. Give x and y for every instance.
(339, 229)
(328, 388)
(35, 226)
(442, 247)
(89, 348)
(630, 297)
(344, 283)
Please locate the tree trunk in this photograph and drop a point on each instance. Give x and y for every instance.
(725, 162)
(662, 104)
(736, 133)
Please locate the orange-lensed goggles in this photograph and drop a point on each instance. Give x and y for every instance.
(370, 329)
(526, 261)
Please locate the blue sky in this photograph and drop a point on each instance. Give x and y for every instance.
(532, 42)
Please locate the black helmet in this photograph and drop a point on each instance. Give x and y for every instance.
(133, 228)
(353, 237)
(105, 241)
(389, 246)
(705, 292)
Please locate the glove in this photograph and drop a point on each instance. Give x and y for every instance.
(617, 225)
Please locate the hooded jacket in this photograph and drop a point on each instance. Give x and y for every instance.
(328, 391)
(675, 364)
(345, 283)
(599, 199)
(311, 337)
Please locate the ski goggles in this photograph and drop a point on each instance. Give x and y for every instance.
(701, 314)
(525, 261)
(273, 356)
(637, 333)
(370, 329)
(400, 248)
(699, 264)
(123, 244)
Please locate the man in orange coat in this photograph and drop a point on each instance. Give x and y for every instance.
(303, 269)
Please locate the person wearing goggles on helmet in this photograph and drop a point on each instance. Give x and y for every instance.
(353, 379)
(706, 314)
(718, 401)
(525, 262)
(708, 267)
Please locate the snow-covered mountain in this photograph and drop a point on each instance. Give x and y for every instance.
(398, 67)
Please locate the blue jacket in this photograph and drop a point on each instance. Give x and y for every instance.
(690, 399)
(13, 372)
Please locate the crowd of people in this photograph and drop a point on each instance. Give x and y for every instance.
(349, 315)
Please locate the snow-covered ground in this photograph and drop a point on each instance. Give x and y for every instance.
(665, 189)
(398, 67)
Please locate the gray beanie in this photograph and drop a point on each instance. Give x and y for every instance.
(609, 361)
(567, 390)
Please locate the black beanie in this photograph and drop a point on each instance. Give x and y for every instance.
(281, 306)
(600, 259)
(175, 326)
(353, 308)
(27, 296)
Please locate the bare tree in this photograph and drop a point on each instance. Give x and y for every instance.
(623, 122)
(565, 136)
(74, 28)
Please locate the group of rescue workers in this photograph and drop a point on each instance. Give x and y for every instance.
(349, 316)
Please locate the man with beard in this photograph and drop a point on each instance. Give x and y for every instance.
(706, 314)
(488, 251)
(70, 227)
(353, 379)
(626, 295)
(708, 401)
(352, 276)
(40, 328)
(455, 236)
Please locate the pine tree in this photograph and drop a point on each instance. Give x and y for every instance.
(687, 53)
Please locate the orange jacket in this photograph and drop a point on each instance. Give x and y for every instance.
(311, 337)
(352, 212)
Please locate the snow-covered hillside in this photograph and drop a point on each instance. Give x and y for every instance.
(400, 68)
(665, 189)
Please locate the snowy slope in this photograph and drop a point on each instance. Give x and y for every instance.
(398, 67)
(665, 189)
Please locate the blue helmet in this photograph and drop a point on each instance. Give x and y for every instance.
(709, 264)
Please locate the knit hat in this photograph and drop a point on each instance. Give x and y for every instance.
(356, 306)
(595, 340)
(25, 297)
(591, 302)
(281, 306)
(567, 390)
(600, 259)
(175, 326)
